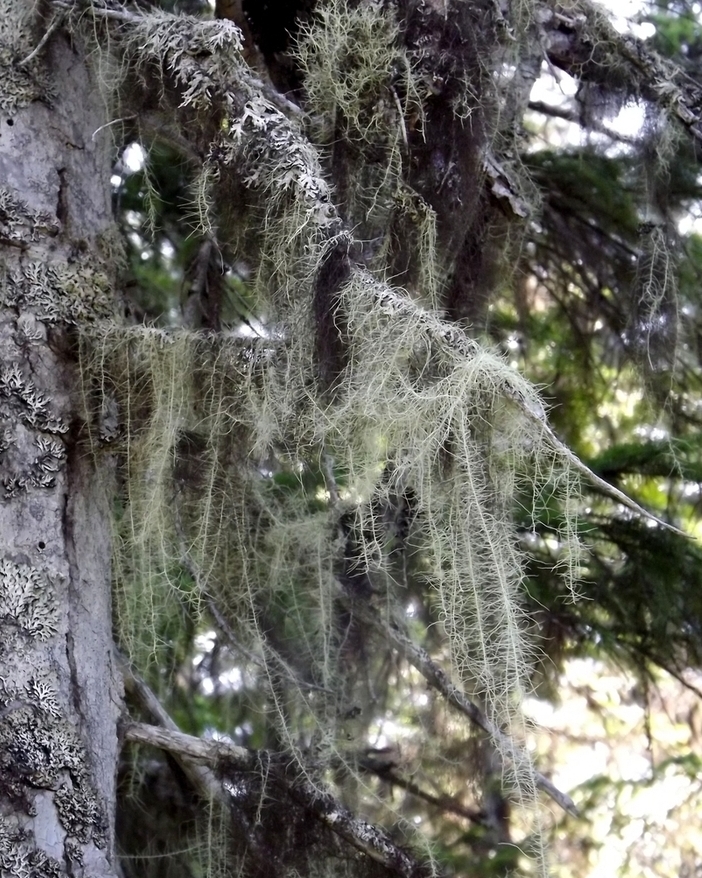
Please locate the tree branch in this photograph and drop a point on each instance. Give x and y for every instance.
(212, 752)
(584, 44)
(443, 802)
(221, 755)
(202, 779)
(439, 680)
(570, 115)
(267, 151)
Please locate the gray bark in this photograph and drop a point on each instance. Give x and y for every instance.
(59, 695)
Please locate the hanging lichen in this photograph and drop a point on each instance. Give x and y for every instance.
(270, 484)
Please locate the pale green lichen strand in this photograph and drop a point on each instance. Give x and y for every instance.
(420, 404)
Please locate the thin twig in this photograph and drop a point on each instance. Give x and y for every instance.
(570, 115)
(112, 122)
(43, 41)
(598, 482)
(444, 802)
(329, 479)
(401, 116)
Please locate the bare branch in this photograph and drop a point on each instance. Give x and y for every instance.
(213, 752)
(443, 802)
(50, 31)
(571, 115)
(190, 756)
(202, 779)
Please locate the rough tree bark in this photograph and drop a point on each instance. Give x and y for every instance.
(59, 699)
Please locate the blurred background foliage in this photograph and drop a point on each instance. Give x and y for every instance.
(602, 310)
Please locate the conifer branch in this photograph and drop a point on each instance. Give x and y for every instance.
(268, 150)
(223, 756)
(439, 680)
(395, 303)
(584, 43)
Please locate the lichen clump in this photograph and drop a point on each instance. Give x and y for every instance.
(26, 602)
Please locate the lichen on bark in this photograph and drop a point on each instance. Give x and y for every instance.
(58, 692)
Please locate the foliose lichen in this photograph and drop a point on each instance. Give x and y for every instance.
(26, 601)
(20, 397)
(38, 750)
(41, 471)
(72, 293)
(19, 225)
(19, 860)
(81, 815)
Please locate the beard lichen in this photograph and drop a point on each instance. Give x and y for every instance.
(364, 100)
(223, 513)
(261, 485)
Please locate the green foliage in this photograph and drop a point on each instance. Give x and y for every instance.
(677, 29)
(668, 459)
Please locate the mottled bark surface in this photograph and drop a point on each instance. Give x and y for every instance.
(59, 700)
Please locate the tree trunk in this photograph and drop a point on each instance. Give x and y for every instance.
(59, 695)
